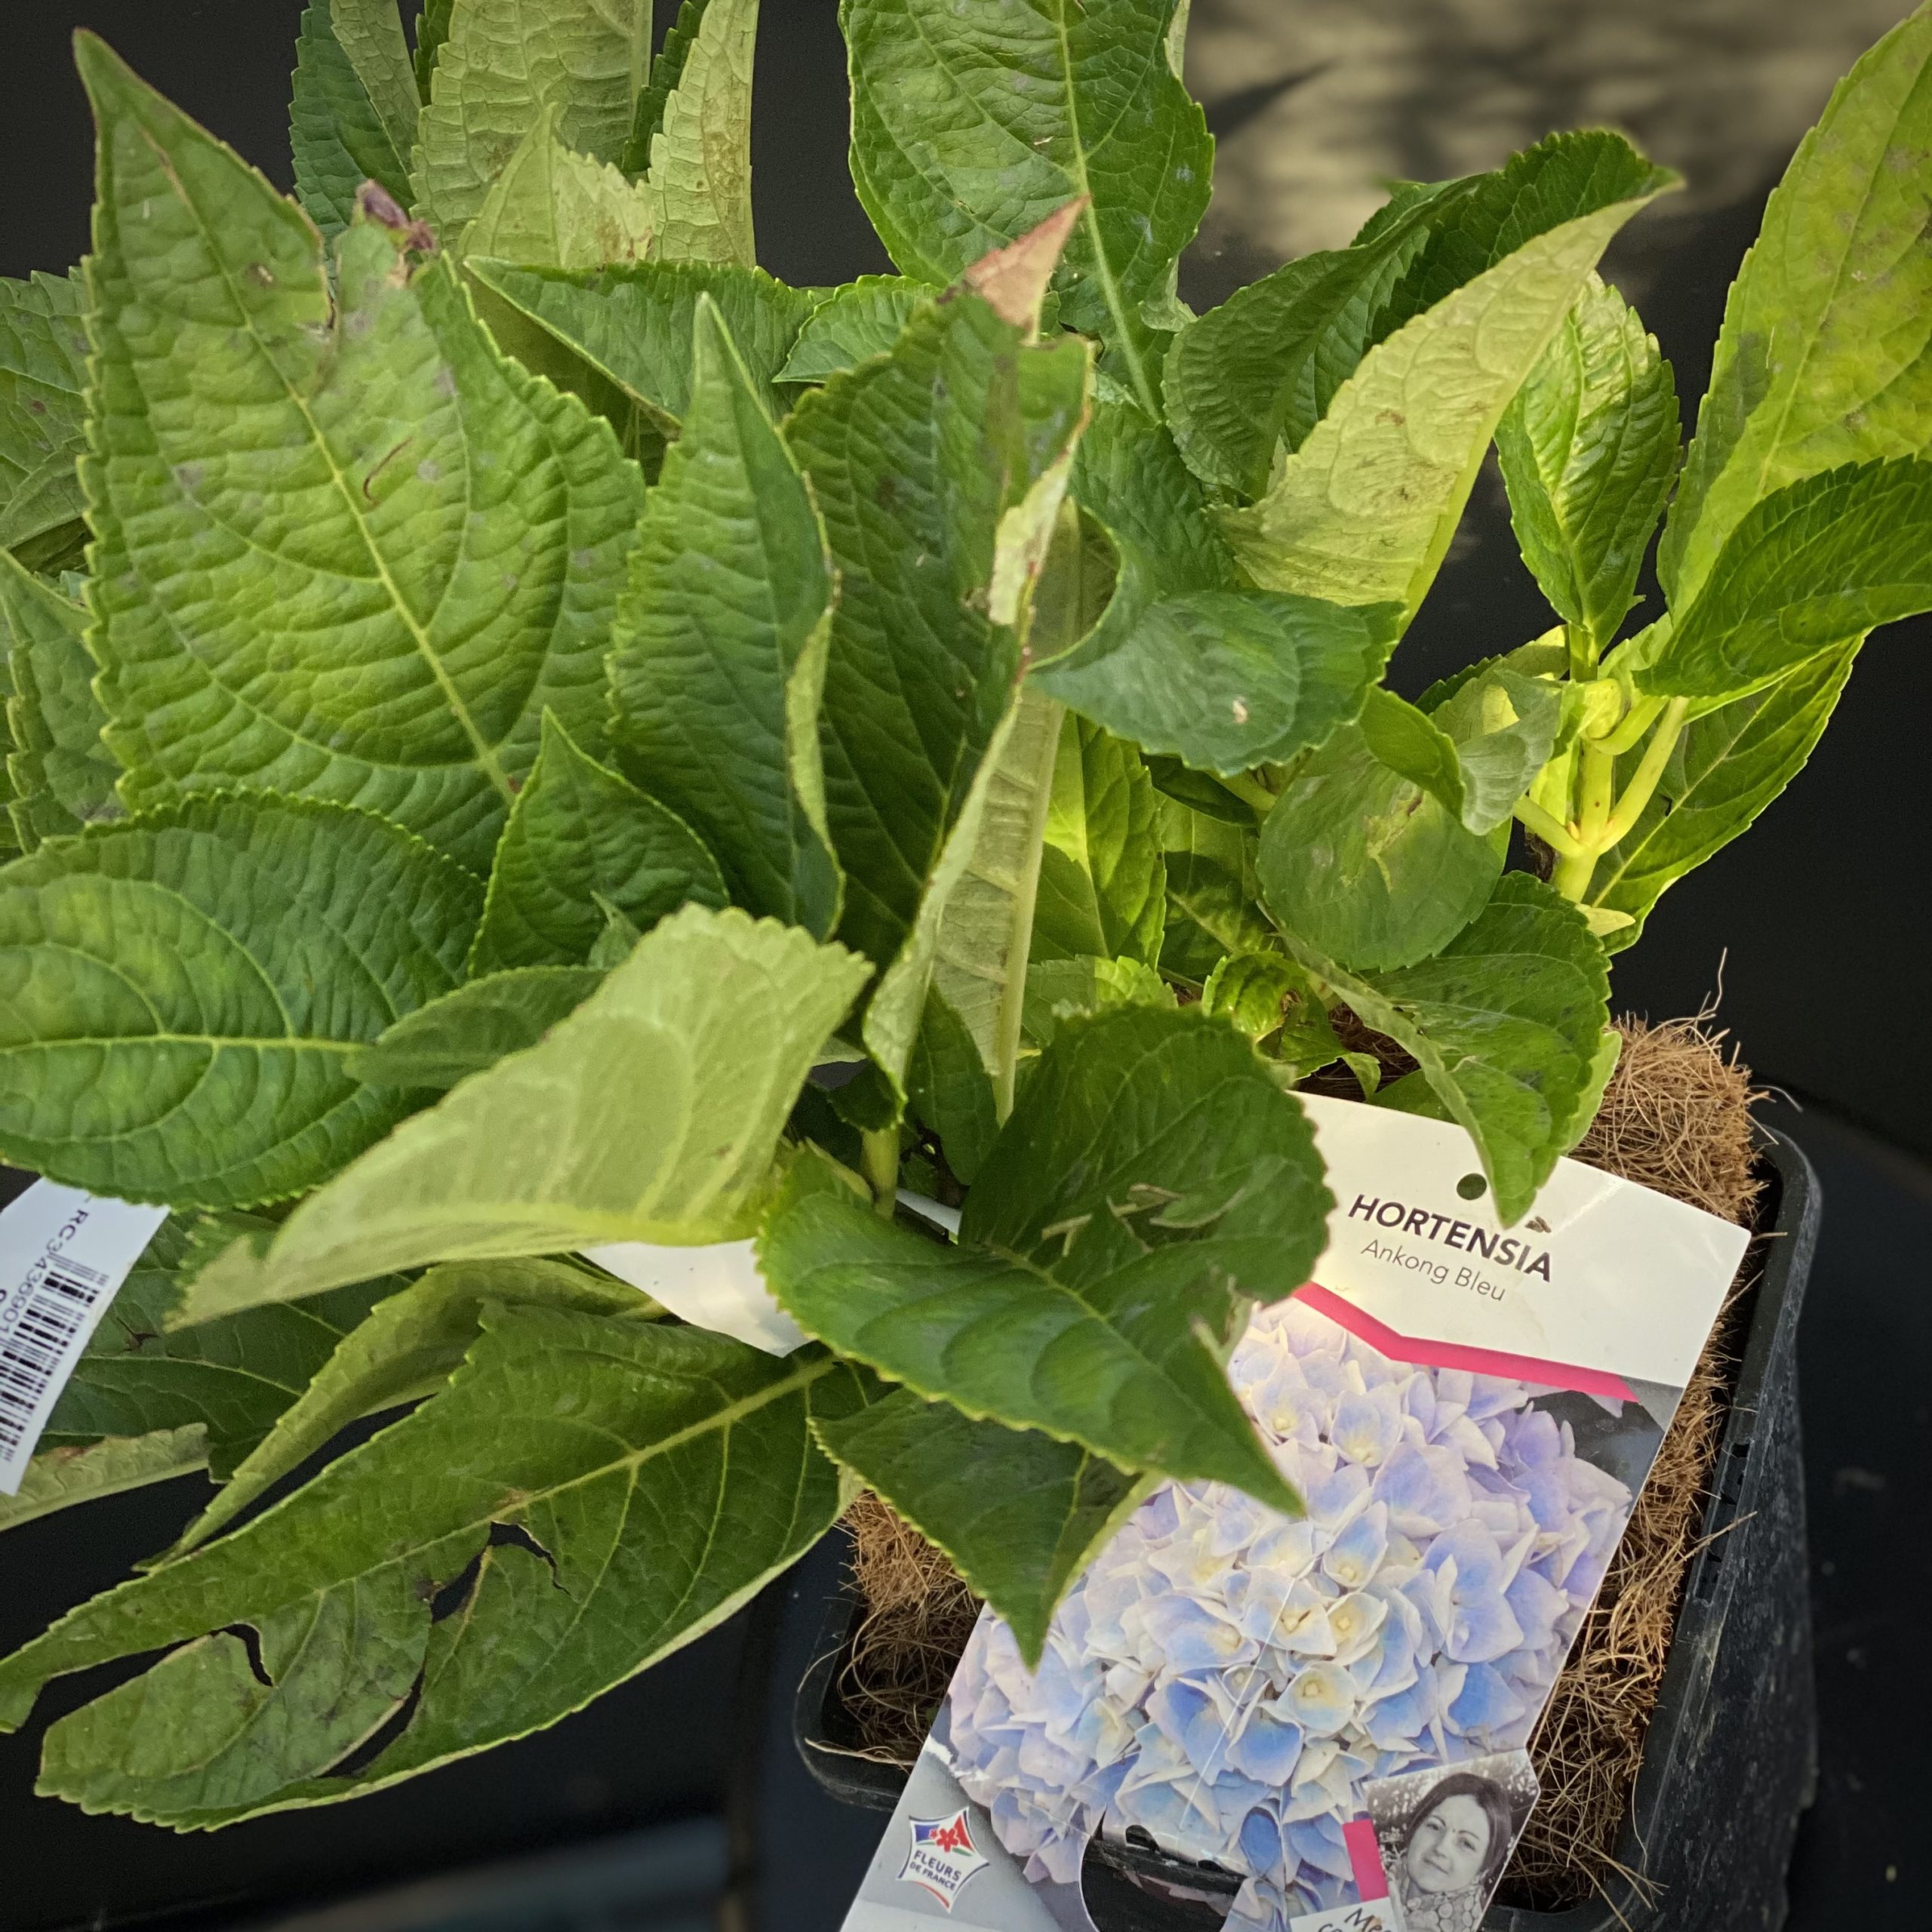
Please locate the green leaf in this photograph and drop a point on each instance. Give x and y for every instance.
(659, 1475)
(1826, 355)
(1363, 511)
(56, 1478)
(667, 68)
(1728, 767)
(433, 29)
(580, 833)
(1588, 448)
(179, 994)
(853, 324)
(60, 775)
(410, 1344)
(1213, 891)
(699, 178)
(1813, 565)
(636, 323)
(658, 1104)
(552, 208)
(1184, 660)
(500, 64)
(718, 653)
(917, 461)
(43, 409)
(364, 642)
(1019, 1513)
(142, 1373)
(473, 1027)
(986, 916)
(1503, 728)
(1507, 1024)
(1062, 989)
(1270, 999)
(1361, 863)
(1250, 380)
(353, 117)
(951, 1089)
(1152, 1179)
(970, 125)
(1103, 882)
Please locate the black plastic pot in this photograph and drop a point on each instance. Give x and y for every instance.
(1730, 1761)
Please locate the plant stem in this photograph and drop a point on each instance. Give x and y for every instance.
(1249, 790)
(1582, 653)
(880, 1159)
(1644, 781)
(1551, 830)
(1629, 734)
(1596, 784)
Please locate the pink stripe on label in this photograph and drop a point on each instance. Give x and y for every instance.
(1365, 1327)
(1365, 1855)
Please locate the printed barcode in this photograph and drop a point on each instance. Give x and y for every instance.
(36, 1351)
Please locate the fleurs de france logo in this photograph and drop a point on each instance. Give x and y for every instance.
(942, 1856)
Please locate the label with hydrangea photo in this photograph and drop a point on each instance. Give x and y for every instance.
(1305, 1724)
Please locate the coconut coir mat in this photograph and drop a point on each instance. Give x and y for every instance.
(1676, 1117)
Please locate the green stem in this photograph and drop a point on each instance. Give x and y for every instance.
(1648, 775)
(1249, 790)
(1629, 735)
(1582, 653)
(1549, 829)
(1596, 785)
(880, 1159)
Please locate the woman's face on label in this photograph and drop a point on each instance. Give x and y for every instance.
(1449, 1846)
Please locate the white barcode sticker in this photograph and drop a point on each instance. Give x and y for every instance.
(63, 1256)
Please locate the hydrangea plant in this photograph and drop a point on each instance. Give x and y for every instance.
(1226, 1679)
(543, 757)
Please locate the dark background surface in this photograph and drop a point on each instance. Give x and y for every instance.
(1820, 911)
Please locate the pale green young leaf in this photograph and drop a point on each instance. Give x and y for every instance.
(179, 994)
(951, 1089)
(1363, 864)
(500, 63)
(364, 641)
(1103, 882)
(916, 460)
(1184, 660)
(410, 1344)
(718, 652)
(1413, 746)
(476, 1026)
(698, 182)
(60, 776)
(1817, 564)
(637, 324)
(352, 118)
(142, 1372)
(968, 131)
(667, 68)
(854, 323)
(58, 1478)
(664, 1474)
(580, 836)
(1249, 381)
(553, 207)
(1153, 1179)
(1271, 999)
(1507, 1022)
(1363, 511)
(657, 1104)
(1019, 1513)
(1728, 767)
(43, 408)
(1826, 355)
(1588, 448)
(616, 942)
(1503, 727)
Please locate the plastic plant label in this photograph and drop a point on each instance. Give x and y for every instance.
(1320, 1723)
(63, 1256)
(716, 1286)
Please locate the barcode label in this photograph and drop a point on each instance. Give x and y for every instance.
(63, 1256)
